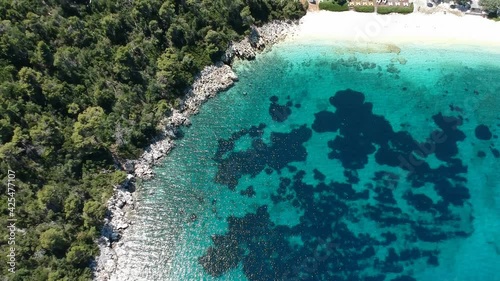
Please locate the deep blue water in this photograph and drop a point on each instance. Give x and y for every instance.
(323, 163)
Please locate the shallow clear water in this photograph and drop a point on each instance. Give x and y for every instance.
(325, 163)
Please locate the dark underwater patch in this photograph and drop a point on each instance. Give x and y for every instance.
(359, 129)
(256, 131)
(325, 121)
(249, 192)
(318, 175)
(421, 202)
(495, 152)
(223, 256)
(380, 277)
(455, 195)
(278, 112)
(482, 132)
(351, 176)
(446, 146)
(283, 149)
(433, 260)
(404, 278)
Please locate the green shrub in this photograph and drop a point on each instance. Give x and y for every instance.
(364, 9)
(332, 6)
(383, 10)
(494, 16)
(53, 239)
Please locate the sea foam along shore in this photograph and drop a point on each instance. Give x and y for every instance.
(208, 83)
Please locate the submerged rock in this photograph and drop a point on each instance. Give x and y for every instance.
(483, 132)
(278, 112)
(495, 152)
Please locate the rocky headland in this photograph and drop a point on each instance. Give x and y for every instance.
(210, 81)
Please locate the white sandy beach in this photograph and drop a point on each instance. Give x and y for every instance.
(418, 28)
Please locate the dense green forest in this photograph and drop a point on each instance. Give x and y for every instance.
(84, 84)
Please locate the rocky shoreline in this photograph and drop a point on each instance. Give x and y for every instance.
(212, 80)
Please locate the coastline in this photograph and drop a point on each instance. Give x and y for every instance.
(210, 81)
(317, 27)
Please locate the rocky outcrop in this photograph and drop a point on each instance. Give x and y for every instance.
(211, 80)
(208, 83)
(258, 40)
(115, 223)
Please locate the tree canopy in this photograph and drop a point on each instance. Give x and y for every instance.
(492, 6)
(83, 84)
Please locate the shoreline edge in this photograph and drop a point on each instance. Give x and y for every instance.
(207, 84)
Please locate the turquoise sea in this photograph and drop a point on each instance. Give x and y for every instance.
(328, 162)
